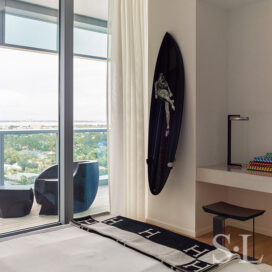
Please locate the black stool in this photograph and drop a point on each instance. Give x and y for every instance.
(224, 210)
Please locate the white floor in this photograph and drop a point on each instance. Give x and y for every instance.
(101, 204)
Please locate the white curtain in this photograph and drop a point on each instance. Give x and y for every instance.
(128, 98)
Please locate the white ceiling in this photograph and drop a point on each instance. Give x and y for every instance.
(230, 4)
(92, 8)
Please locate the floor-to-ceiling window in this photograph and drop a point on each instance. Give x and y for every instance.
(90, 103)
(29, 110)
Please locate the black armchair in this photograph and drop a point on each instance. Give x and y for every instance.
(86, 180)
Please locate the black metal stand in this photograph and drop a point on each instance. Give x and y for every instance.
(233, 117)
(219, 229)
(253, 253)
(229, 141)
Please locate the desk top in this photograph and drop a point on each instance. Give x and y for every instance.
(236, 178)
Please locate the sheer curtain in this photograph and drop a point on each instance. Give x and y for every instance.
(128, 99)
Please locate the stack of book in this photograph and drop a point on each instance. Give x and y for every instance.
(263, 163)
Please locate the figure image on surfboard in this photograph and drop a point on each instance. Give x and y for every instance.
(162, 91)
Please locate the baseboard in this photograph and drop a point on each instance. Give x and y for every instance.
(248, 227)
(202, 231)
(177, 229)
(239, 225)
(205, 230)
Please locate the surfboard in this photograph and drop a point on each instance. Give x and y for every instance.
(165, 113)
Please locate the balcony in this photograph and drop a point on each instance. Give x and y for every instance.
(24, 154)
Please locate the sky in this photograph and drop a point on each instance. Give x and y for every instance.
(29, 87)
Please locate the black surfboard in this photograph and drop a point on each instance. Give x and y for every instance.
(165, 113)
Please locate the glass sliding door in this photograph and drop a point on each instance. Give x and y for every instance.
(28, 114)
(91, 190)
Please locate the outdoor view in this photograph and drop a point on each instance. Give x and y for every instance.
(29, 110)
(28, 153)
(28, 114)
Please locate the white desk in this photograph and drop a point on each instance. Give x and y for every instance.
(237, 178)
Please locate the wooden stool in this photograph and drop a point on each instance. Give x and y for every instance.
(224, 210)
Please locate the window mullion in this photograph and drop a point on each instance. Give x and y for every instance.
(66, 110)
(2, 21)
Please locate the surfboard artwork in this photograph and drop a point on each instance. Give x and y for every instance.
(165, 113)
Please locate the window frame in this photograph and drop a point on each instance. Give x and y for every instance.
(95, 25)
(65, 18)
(2, 21)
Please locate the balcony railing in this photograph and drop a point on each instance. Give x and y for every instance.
(5, 133)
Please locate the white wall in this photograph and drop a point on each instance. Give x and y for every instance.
(250, 93)
(234, 64)
(175, 206)
(234, 51)
(211, 103)
(228, 60)
(249, 78)
(211, 94)
(207, 194)
(254, 200)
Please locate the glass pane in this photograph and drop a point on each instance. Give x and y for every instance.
(35, 26)
(28, 128)
(30, 32)
(90, 119)
(90, 43)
